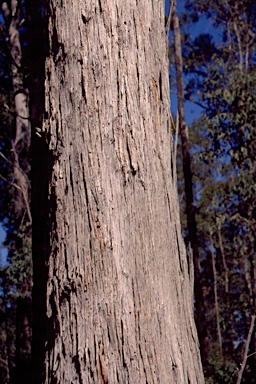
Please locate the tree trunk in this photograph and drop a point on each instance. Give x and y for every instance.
(248, 340)
(190, 209)
(216, 301)
(225, 267)
(118, 293)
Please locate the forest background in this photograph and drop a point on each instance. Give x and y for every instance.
(219, 74)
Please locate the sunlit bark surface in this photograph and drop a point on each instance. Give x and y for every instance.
(119, 296)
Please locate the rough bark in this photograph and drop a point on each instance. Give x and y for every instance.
(118, 292)
(187, 172)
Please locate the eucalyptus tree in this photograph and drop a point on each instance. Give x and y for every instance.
(112, 292)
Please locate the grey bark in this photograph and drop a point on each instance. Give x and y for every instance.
(118, 292)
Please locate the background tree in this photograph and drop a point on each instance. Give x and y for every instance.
(16, 274)
(220, 71)
(191, 237)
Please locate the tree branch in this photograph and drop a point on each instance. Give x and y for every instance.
(248, 340)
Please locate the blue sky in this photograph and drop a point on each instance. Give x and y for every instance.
(3, 251)
(192, 110)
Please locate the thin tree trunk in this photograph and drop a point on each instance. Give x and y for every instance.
(248, 340)
(241, 61)
(253, 276)
(7, 355)
(223, 259)
(21, 141)
(236, 20)
(215, 285)
(190, 210)
(118, 293)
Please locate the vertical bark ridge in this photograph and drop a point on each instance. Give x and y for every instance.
(121, 303)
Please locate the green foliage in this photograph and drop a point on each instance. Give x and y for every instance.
(220, 370)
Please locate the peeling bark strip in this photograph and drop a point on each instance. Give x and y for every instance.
(119, 300)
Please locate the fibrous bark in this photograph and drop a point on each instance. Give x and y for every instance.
(118, 293)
